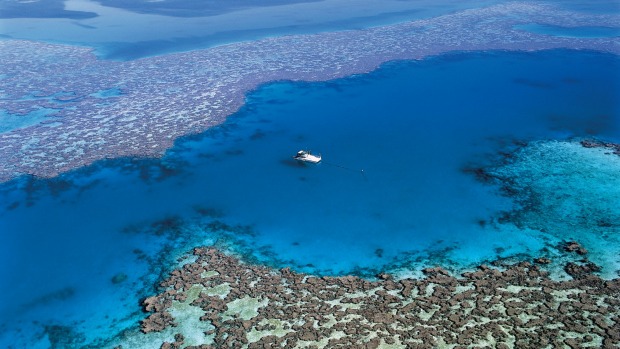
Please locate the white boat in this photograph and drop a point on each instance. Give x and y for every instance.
(304, 155)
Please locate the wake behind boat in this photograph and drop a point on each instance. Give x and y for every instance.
(304, 155)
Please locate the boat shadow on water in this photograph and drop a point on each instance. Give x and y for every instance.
(293, 163)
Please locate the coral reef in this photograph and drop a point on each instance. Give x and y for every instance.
(613, 147)
(250, 306)
(105, 109)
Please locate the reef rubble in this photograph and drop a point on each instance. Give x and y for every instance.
(252, 306)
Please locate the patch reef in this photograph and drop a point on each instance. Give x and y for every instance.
(236, 305)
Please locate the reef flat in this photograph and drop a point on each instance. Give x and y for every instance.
(106, 109)
(217, 301)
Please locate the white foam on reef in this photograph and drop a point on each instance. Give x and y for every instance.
(570, 192)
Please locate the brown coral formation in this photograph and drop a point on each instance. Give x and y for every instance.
(252, 306)
(613, 147)
(573, 246)
(178, 342)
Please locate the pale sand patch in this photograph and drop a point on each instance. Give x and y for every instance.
(245, 308)
(562, 295)
(187, 318)
(221, 290)
(279, 330)
(208, 273)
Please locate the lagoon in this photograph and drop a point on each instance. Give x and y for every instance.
(414, 127)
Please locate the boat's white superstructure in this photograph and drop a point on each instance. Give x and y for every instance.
(304, 155)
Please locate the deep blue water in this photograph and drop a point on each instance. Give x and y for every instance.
(411, 126)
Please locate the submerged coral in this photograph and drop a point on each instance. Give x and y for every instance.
(562, 184)
(569, 189)
(613, 147)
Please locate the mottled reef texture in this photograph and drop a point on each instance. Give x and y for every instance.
(612, 147)
(162, 98)
(249, 306)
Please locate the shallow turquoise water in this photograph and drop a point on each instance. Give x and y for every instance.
(411, 126)
(9, 121)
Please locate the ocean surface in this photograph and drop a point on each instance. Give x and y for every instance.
(393, 192)
(122, 30)
(397, 190)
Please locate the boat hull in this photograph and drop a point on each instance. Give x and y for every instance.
(307, 157)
